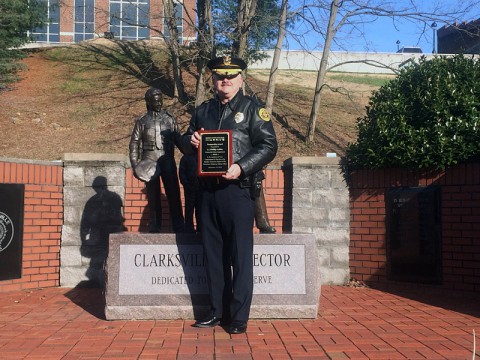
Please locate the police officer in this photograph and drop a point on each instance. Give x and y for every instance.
(228, 201)
(152, 146)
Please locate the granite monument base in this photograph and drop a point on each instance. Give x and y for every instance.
(162, 276)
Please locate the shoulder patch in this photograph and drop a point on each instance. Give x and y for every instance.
(264, 115)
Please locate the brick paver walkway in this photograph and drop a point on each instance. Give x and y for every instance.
(353, 323)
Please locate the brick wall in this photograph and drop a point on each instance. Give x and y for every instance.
(45, 208)
(137, 216)
(156, 18)
(460, 215)
(102, 16)
(189, 31)
(277, 192)
(66, 21)
(460, 224)
(43, 217)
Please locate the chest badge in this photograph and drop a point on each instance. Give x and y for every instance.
(264, 115)
(239, 117)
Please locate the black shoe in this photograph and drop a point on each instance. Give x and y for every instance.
(210, 321)
(237, 327)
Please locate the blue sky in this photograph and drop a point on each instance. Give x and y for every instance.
(382, 34)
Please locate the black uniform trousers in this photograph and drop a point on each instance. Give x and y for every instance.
(227, 235)
(192, 208)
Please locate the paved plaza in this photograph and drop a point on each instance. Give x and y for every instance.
(353, 323)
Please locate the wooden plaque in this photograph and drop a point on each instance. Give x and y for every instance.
(214, 152)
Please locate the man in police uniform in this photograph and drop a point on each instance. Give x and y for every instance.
(228, 201)
(152, 146)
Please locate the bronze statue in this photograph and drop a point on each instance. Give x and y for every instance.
(152, 146)
(261, 216)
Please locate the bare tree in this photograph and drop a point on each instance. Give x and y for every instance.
(276, 58)
(245, 14)
(354, 14)
(174, 47)
(322, 71)
(205, 44)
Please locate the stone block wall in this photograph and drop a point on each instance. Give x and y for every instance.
(319, 205)
(94, 196)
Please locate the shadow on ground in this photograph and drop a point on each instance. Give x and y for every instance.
(91, 299)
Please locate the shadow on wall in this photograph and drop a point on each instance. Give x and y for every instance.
(146, 216)
(101, 217)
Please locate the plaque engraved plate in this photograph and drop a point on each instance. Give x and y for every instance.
(214, 152)
(11, 230)
(414, 234)
(180, 270)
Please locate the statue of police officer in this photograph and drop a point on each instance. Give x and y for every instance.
(152, 146)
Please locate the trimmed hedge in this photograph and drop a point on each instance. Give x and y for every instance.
(429, 116)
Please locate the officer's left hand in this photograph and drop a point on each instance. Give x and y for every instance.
(195, 139)
(233, 172)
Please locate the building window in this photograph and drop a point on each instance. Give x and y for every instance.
(84, 20)
(178, 11)
(49, 32)
(129, 19)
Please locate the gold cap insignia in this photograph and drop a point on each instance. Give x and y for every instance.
(227, 59)
(264, 115)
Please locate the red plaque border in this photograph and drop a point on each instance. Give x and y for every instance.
(202, 168)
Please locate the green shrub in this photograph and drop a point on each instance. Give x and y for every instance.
(429, 116)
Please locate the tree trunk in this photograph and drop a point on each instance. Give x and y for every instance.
(322, 72)
(276, 58)
(174, 48)
(205, 41)
(246, 11)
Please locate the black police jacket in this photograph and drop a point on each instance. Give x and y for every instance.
(253, 137)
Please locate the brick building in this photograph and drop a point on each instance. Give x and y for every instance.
(72, 21)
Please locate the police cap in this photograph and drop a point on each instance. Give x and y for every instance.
(226, 65)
